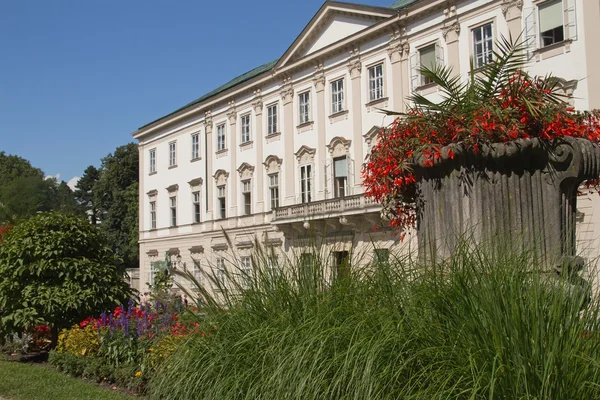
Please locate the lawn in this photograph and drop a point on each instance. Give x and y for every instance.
(19, 381)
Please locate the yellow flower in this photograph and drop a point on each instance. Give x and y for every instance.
(138, 373)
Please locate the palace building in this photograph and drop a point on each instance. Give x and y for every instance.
(275, 155)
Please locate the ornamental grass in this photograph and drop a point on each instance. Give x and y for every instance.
(475, 326)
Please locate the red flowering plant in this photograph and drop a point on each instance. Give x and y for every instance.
(3, 231)
(500, 103)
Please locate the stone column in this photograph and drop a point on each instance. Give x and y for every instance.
(591, 30)
(398, 84)
(405, 68)
(257, 104)
(450, 31)
(512, 10)
(287, 96)
(233, 185)
(355, 68)
(321, 115)
(209, 157)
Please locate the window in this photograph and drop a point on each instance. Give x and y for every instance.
(221, 199)
(427, 60)
(381, 256)
(304, 102)
(272, 265)
(221, 273)
(272, 119)
(247, 195)
(172, 154)
(196, 203)
(376, 82)
(337, 96)
(173, 207)
(274, 190)
(340, 175)
(341, 261)
(221, 137)
(551, 23)
(245, 128)
(153, 215)
(246, 272)
(152, 161)
(195, 146)
(482, 45)
(305, 183)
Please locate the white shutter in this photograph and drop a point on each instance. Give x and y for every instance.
(350, 178)
(439, 54)
(299, 186)
(531, 37)
(312, 183)
(327, 179)
(571, 20)
(415, 75)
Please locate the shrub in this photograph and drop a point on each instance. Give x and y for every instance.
(83, 341)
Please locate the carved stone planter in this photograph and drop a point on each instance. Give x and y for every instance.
(521, 193)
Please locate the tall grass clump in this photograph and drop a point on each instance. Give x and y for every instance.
(475, 326)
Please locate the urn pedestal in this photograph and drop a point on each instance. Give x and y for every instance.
(521, 194)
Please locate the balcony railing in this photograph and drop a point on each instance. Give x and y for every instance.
(349, 204)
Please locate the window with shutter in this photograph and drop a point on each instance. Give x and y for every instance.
(551, 23)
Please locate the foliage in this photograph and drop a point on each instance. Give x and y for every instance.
(478, 326)
(4, 230)
(84, 192)
(25, 191)
(116, 196)
(83, 341)
(500, 103)
(56, 270)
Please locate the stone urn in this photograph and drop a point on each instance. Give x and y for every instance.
(521, 193)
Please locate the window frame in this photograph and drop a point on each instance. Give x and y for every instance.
(195, 138)
(172, 211)
(196, 208)
(543, 4)
(152, 214)
(338, 98)
(173, 154)
(247, 196)
(306, 183)
(272, 119)
(221, 272)
(152, 160)
(336, 187)
(221, 137)
(222, 200)
(490, 41)
(245, 121)
(304, 108)
(272, 188)
(372, 88)
(246, 272)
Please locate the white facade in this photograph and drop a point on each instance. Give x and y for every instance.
(325, 90)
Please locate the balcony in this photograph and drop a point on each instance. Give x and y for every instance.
(349, 212)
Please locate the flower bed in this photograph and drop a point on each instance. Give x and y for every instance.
(123, 346)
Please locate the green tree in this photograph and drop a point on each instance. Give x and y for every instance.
(84, 192)
(116, 196)
(57, 269)
(13, 167)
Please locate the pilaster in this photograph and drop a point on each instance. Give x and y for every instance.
(512, 10)
(257, 105)
(319, 82)
(287, 96)
(233, 185)
(451, 31)
(355, 69)
(395, 50)
(209, 157)
(591, 30)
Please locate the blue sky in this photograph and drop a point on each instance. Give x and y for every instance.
(78, 77)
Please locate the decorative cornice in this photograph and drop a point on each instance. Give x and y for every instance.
(152, 253)
(305, 150)
(508, 4)
(152, 192)
(334, 144)
(272, 159)
(208, 122)
(173, 188)
(232, 112)
(396, 46)
(451, 30)
(196, 249)
(354, 64)
(245, 167)
(257, 104)
(319, 78)
(196, 182)
(219, 173)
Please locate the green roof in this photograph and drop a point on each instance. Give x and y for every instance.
(253, 73)
(402, 3)
(232, 83)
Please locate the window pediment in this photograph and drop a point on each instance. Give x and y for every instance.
(371, 135)
(339, 146)
(246, 171)
(305, 154)
(221, 177)
(273, 164)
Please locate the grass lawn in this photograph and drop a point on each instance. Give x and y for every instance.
(19, 381)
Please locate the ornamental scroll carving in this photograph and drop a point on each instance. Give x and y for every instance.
(339, 147)
(273, 164)
(246, 171)
(221, 177)
(305, 155)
